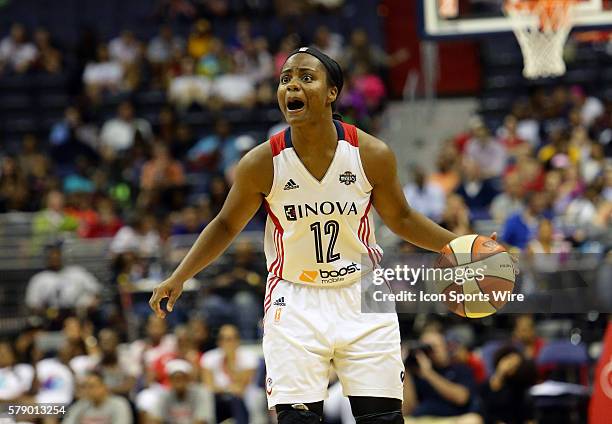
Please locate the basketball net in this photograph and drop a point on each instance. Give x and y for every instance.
(541, 28)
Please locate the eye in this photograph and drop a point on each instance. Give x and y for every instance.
(307, 78)
(285, 79)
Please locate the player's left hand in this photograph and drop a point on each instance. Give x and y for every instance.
(514, 258)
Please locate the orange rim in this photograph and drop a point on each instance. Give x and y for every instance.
(548, 10)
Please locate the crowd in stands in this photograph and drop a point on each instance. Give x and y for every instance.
(544, 176)
(144, 182)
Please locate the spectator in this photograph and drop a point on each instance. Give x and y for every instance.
(505, 395)
(106, 223)
(118, 134)
(74, 136)
(591, 108)
(188, 88)
(508, 202)
(476, 191)
(207, 153)
(425, 197)
(104, 75)
(112, 366)
(125, 49)
(15, 379)
(438, 388)
(527, 127)
(36, 166)
(216, 62)
(186, 402)
(369, 85)
(198, 328)
(234, 89)
(186, 350)
(61, 287)
(161, 171)
(328, 42)
(162, 46)
(287, 45)
(14, 189)
(254, 60)
(141, 236)
(237, 291)
(200, 39)
(456, 216)
(190, 222)
(519, 228)
(228, 371)
(52, 221)
(525, 334)
(488, 153)
(144, 352)
(17, 54)
(98, 405)
(360, 50)
(446, 177)
(55, 379)
(49, 58)
(559, 153)
(242, 145)
(508, 137)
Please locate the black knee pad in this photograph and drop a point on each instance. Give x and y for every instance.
(394, 417)
(300, 414)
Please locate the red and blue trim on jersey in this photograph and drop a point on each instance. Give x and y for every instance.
(364, 235)
(282, 140)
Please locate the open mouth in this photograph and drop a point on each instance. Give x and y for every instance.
(295, 105)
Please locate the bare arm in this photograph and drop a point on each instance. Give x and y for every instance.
(410, 397)
(452, 392)
(389, 201)
(254, 176)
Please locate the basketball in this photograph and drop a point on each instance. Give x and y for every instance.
(482, 276)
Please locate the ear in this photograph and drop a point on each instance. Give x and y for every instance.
(332, 94)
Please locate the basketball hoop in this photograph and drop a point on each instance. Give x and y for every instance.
(541, 28)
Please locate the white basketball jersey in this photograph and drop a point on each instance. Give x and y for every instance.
(320, 232)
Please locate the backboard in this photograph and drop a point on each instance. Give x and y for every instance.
(486, 17)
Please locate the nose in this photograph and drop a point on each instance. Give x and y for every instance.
(293, 85)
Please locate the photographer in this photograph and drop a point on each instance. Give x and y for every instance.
(435, 388)
(505, 394)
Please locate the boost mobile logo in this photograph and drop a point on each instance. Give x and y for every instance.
(334, 276)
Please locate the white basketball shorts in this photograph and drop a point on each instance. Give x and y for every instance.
(309, 330)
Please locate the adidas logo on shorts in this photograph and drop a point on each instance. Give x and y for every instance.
(291, 185)
(280, 301)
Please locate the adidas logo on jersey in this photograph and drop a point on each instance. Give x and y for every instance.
(280, 301)
(291, 185)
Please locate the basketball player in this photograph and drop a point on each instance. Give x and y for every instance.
(318, 180)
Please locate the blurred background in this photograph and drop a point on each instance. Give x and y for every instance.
(120, 127)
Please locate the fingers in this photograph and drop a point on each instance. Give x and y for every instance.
(174, 295)
(155, 302)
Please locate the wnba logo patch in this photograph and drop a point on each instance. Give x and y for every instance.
(348, 178)
(309, 276)
(269, 386)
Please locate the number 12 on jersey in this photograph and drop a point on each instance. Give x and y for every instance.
(330, 228)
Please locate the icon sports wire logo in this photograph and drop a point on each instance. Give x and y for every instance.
(291, 185)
